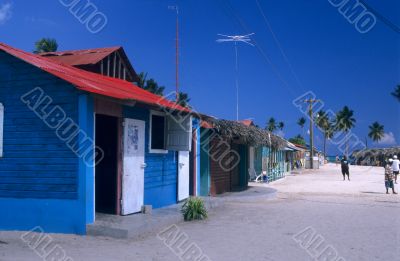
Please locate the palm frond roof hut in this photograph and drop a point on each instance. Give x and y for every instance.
(250, 135)
(376, 153)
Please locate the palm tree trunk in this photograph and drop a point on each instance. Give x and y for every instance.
(325, 145)
(347, 146)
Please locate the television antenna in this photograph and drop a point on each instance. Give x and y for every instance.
(236, 39)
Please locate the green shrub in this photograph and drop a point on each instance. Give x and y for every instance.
(194, 209)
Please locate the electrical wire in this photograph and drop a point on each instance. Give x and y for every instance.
(244, 28)
(381, 17)
(279, 44)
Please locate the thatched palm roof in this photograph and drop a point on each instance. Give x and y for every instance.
(249, 135)
(364, 155)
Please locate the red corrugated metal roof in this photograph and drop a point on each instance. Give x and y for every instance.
(81, 57)
(92, 82)
(206, 125)
(300, 146)
(246, 122)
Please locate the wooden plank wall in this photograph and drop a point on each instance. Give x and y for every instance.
(220, 177)
(160, 175)
(36, 163)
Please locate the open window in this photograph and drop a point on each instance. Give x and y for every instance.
(169, 132)
(158, 129)
(1, 128)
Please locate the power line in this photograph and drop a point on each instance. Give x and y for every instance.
(243, 26)
(381, 17)
(278, 44)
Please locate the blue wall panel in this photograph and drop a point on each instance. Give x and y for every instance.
(160, 175)
(39, 182)
(86, 164)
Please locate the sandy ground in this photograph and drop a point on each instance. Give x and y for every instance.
(354, 218)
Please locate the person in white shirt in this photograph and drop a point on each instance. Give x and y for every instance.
(395, 167)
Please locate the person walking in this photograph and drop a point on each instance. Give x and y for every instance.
(395, 167)
(389, 177)
(345, 168)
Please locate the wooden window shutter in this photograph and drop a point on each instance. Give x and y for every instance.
(179, 133)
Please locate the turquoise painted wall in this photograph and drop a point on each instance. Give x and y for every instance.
(258, 159)
(196, 126)
(276, 156)
(204, 184)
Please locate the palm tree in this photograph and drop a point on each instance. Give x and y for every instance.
(298, 140)
(301, 122)
(183, 99)
(328, 134)
(325, 125)
(271, 125)
(281, 125)
(142, 80)
(376, 131)
(345, 122)
(396, 92)
(150, 84)
(45, 45)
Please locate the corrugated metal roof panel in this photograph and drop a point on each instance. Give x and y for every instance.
(92, 82)
(81, 57)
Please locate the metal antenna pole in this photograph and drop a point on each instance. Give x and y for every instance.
(177, 55)
(236, 38)
(237, 81)
(176, 8)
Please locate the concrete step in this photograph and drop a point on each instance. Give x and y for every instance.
(135, 226)
(138, 226)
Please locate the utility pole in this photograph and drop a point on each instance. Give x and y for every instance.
(176, 8)
(310, 110)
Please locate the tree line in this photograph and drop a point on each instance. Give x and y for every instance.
(343, 121)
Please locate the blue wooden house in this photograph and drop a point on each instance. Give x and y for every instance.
(75, 141)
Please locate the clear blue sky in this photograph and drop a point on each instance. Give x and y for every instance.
(328, 55)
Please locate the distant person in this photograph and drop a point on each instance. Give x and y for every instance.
(337, 160)
(395, 167)
(389, 177)
(345, 168)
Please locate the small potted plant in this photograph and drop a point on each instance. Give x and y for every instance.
(194, 209)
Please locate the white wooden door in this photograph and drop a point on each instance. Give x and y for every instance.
(183, 175)
(133, 166)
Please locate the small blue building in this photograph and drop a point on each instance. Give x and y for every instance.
(76, 140)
